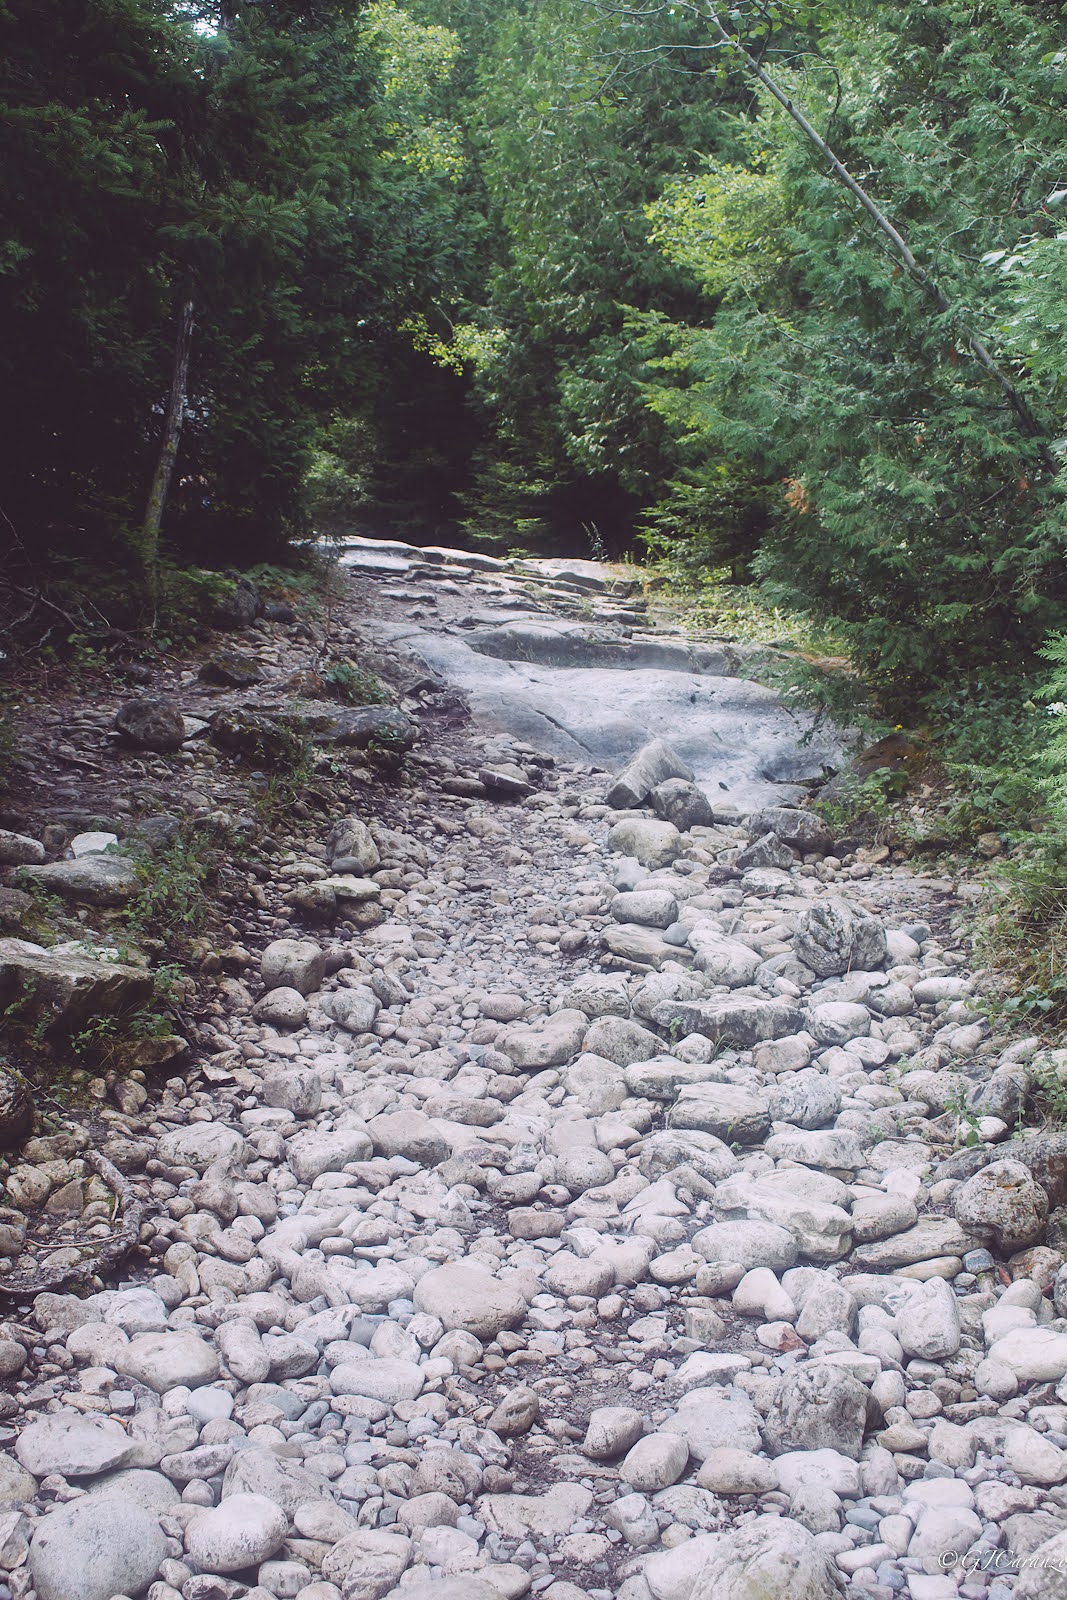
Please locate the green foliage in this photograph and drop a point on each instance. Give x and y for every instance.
(708, 516)
(9, 752)
(352, 685)
(104, 1041)
(727, 226)
(336, 483)
(170, 904)
(252, 157)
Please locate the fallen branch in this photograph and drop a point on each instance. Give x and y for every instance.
(109, 1252)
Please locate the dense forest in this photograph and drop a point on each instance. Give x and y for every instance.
(781, 290)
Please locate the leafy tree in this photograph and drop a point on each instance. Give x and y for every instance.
(908, 501)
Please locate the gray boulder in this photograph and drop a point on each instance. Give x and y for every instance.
(653, 764)
(95, 1548)
(151, 723)
(837, 936)
(654, 843)
(740, 1022)
(68, 988)
(772, 1556)
(1002, 1205)
(766, 851)
(18, 850)
(96, 880)
(683, 804)
(817, 1408)
(293, 964)
(803, 830)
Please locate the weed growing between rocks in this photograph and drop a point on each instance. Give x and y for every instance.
(170, 906)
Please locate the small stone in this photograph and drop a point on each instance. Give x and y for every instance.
(729, 1471)
(516, 1414)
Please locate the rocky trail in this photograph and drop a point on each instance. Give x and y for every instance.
(587, 1177)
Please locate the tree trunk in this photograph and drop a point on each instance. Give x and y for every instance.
(1023, 415)
(168, 451)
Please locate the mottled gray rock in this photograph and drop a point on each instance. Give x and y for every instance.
(723, 961)
(315, 1152)
(356, 1010)
(77, 1446)
(296, 1089)
(662, 1077)
(1035, 1355)
(582, 1168)
(807, 1099)
(766, 851)
(653, 765)
(655, 1462)
(682, 803)
(707, 1420)
(772, 1556)
(281, 1008)
(738, 1021)
(654, 843)
(18, 850)
(293, 964)
(803, 830)
(611, 1431)
(411, 1134)
(711, 1158)
(202, 1144)
(749, 1244)
(837, 936)
(96, 1548)
(1044, 1576)
(151, 723)
(835, 1022)
(164, 1361)
(385, 1380)
(1003, 1206)
(928, 1323)
(836, 1149)
(816, 1408)
(90, 881)
(651, 908)
(551, 1043)
(351, 847)
(620, 1040)
(466, 1296)
(240, 1532)
(930, 1237)
(598, 994)
(366, 1564)
(726, 1110)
